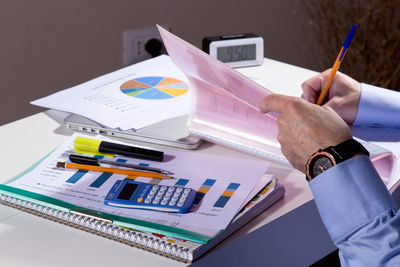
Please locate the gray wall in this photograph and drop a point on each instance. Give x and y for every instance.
(49, 45)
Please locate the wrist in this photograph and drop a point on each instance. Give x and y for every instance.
(324, 159)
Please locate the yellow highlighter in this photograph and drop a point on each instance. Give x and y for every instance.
(108, 149)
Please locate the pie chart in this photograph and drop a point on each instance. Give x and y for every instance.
(154, 87)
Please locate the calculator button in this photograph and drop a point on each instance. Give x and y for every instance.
(140, 200)
(171, 189)
(185, 194)
(177, 194)
(168, 193)
(156, 201)
(187, 190)
(172, 203)
(151, 195)
(175, 198)
(163, 187)
(183, 199)
(147, 201)
(178, 190)
(166, 198)
(180, 204)
(155, 187)
(164, 202)
(157, 197)
(152, 192)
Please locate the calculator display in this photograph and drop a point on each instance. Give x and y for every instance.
(127, 191)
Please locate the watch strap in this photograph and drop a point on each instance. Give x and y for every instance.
(339, 153)
(346, 150)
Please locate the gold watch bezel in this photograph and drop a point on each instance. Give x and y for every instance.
(311, 160)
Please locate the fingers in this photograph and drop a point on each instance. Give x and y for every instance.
(275, 103)
(312, 87)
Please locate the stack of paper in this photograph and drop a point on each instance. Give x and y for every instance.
(130, 98)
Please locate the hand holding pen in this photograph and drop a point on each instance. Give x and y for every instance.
(336, 65)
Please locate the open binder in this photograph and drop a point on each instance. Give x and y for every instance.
(225, 109)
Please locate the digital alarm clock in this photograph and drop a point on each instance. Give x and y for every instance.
(236, 50)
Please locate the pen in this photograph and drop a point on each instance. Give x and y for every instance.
(336, 66)
(75, 166)
(96, 162)
(85, 145)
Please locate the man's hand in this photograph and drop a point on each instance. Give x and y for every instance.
(343, 97)
(304, 127)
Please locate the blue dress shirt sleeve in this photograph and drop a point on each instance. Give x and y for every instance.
(378, 107)
(359, 213)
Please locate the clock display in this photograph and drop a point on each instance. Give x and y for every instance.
(236, 53)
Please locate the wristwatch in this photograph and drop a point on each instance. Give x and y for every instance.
(324, 159)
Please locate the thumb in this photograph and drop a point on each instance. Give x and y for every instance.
(275, 103)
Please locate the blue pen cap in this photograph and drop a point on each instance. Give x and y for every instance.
(348, 40)
(350, 36)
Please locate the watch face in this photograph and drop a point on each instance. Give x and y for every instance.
(321, 164)
(318, 163)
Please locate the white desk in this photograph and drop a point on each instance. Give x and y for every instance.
(27, 240)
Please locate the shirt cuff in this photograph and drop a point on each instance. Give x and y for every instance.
(378, 107)
(349, 195)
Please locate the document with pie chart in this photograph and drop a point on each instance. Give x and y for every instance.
(130, 98)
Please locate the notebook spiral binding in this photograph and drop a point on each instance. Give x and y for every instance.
(102, 228)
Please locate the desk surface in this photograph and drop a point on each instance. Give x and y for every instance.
(27, 240)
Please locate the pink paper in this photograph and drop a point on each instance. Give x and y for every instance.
(225, 109)
(226, 102)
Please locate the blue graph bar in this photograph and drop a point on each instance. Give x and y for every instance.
(103, 177)
(221, 202)
(76, 176)
(202, 191)
(181, 182)
(224, 198)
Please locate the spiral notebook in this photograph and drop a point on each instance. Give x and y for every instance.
(174, 248)
(75, 198)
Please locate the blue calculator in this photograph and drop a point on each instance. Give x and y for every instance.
(136, 195)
